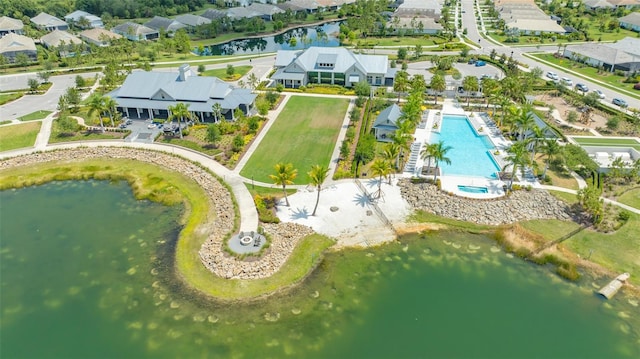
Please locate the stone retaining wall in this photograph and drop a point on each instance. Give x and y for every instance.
(284, 237)
(521, 205)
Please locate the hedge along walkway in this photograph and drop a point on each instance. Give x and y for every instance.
(304, 134)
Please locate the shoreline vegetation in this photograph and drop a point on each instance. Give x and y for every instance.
(166, 186)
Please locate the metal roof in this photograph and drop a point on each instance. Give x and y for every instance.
(388, 117)
(344, 60)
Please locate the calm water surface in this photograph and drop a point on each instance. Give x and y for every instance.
(86, 271)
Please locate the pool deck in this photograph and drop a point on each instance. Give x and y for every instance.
(450, 183)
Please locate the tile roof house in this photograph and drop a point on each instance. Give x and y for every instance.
(13, 44)
(98, 36)
(84, 20)
(48, 22)
(148, 94)
(168, 25)
(631, 21)
(8, 24)
(331, 65)
(386, 123)
(62, 41)
(136, 32)
(191, 20)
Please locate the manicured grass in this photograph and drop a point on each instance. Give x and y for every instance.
(158, 184)
(611, 80)
(567, 197)
(211, 151)
(550, 229)
(408, 41)
(304, 134)
(5, 98)
(631, 198)
(268, 191)
(222, 73)
(608, 142)
(18, 136)
(38, 115)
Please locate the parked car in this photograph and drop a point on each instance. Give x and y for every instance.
(123, 125)
(128, 121)
(620, 102)
(582, 87)
(480, 63)
(552, 75)
(566, 81)
(600, 94)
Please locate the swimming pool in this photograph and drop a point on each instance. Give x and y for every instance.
(470, 153)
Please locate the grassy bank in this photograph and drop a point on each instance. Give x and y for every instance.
(172, 188)
(19, 136)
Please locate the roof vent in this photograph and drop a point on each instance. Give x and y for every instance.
(184, 72)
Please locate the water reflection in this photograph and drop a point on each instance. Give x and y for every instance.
(325, 35)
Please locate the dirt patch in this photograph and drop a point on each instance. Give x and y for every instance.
(598, 119)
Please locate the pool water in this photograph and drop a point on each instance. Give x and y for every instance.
(473, 189)
(470, 154)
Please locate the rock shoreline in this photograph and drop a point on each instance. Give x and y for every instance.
(521, 205)
(284, 236)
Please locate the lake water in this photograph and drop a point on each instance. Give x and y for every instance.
(86, 271)
(323, 35)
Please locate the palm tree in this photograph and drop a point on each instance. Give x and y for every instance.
(551, 149)
(427, 153)
(381, 168)
(217, 111)
(439, 154)
(437, 84)
(391, 152)
(317, 175)
(469, 84)
(96, 104)
(524, 122)
(111, 106)
(401, 139)
(401, 83)
(180, 112)
(534, 141)
(517, 158)
(284, 175)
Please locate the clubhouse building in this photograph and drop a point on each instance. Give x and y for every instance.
(331, 65)
(148, 95)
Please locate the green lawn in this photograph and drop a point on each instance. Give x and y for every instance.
(603, 141)
(631, 198)
(611, 80)
(5, 98)
(18, 136)
(304, 134)
(38, 115)
(222, 73)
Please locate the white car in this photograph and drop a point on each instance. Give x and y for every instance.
(552, 75)
(600, 94)
(566, 81)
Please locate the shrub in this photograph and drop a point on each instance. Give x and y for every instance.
(624, 216)
(280, 87)
(264, 206)
(237, 143)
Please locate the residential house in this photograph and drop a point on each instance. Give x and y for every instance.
(48, 22)
(136, 32)
(631, 21)
(291, 7)
(98, 36)
(148, 95)
(13, 44)
(169, 26)
(214, 14)
(627, 4)
(417, 16)
(192, 21)
(84, 20)
(386, 123)
(266, 11)
(237, 13)
(63, 41)
(594, 5)
(10, 25)
(331, 65)
(623, 55)
(526, 17)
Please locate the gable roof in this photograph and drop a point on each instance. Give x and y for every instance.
(9, 23)
(633, 19)
(242, 12)
(79, 14)
(136, 29)
(46, 20)
(98, 34)
(598, 4)
(265, 9)
(629, 45)
(56, 37)
(388, 117)
(341, 58)
(14, 42)
(192, 20)
(159, 22)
